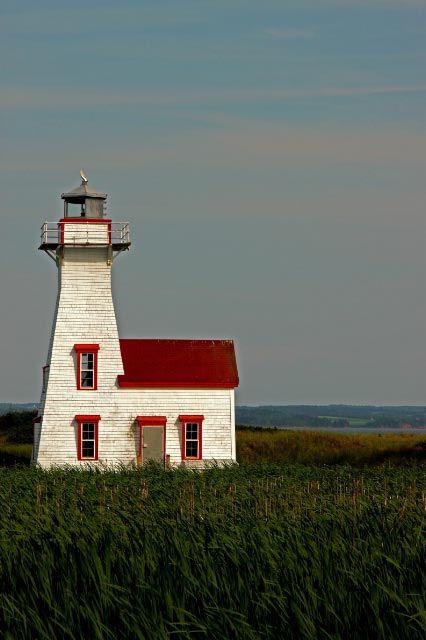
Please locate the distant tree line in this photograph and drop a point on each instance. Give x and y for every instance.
(339, 416)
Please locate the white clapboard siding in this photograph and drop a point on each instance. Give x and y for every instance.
(85, 233)
(118, 430)
(85, 314)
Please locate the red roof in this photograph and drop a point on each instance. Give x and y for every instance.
(201, 364)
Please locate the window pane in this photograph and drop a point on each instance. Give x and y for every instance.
(191, 431)
(88, 431)
(87, 378)
(192, 449)
(88, 449)
(87, 360)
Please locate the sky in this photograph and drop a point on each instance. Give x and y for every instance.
(271, 160)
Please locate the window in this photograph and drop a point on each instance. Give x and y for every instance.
(87, 437)
(87, 370)
(87, 366)
(191, 437)
(45, 377)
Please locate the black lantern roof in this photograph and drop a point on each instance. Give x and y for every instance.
(83, 191)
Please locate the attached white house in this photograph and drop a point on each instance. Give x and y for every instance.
(110, 401)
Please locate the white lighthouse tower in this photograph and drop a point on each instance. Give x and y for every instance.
(107, 400)
(84, 354)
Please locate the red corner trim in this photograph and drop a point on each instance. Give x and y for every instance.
(37, 419)
(191, 418)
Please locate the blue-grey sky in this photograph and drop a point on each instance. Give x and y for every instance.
(271, 159)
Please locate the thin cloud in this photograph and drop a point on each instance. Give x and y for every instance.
(255, 146)
(69, 21)
(349, 4)
(81, 97)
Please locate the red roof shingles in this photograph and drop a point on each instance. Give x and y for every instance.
(202, 364)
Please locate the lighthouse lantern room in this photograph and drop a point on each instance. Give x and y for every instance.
(107, 400)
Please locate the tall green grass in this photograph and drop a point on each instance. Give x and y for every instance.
(319, 447)
(258, 551)
(292, 446)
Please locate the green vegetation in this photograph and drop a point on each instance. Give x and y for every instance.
(317, 447)
(337, 416)
(255, 551)
(256, 444)
(16, 436)
(16, 427)
(13, 454)
(6, 407)
(351, 422)
(360, 422)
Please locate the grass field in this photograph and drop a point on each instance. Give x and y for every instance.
(313, 536)
(251, 551)
(12, 454)
(292, 446)
(353, 422)
(317, 447)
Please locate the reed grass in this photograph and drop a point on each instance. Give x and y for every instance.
(13, 454)
(297, 446)
(320, 447)
(250, 551)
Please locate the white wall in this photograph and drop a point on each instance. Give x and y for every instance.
(85, 314)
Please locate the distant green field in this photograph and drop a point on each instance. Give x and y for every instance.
(353, 422)
(318, 447)
(359, 422)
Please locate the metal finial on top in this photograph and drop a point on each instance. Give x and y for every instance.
(84, 180)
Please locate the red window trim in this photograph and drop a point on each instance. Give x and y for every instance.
(151, 421)
(82, 220)
(80, 419)
(184, 419)
(87, 348)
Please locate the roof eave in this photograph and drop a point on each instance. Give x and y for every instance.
(83, 191)
(124, 383)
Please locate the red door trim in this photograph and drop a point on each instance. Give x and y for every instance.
(151, 421)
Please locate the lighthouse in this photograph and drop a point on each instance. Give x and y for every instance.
(109, 401)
